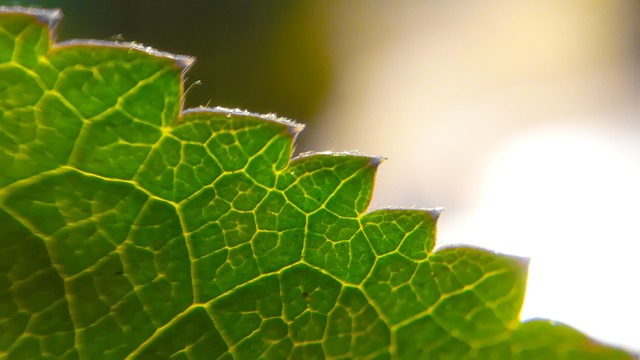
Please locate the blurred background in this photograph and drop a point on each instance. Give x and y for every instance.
(521, 118)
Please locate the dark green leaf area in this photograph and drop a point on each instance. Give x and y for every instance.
(115, 149)
(188, 336)
(224, 134)
(355, 329)
(25, 270)
(198, 150)
(99, 80)
(389, 285)
(36, 128)
(338, 245)
(23, 39)
(412, 233)
(280, 238)
(122, 256)
(447, 300)
(496, 281)
(341, 184)
(122, 119)
(300, 312)
(442, 345)
(83, 218)
(219, 191)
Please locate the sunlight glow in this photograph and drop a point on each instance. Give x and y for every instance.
(570, 200)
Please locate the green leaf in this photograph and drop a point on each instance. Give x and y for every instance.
(132, 229)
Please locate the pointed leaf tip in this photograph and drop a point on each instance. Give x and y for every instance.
(435, 212)
(374, 161)
(295, 128)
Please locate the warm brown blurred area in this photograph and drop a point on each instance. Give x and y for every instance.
(522, 118)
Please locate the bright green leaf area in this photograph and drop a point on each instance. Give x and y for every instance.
(130, 229)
